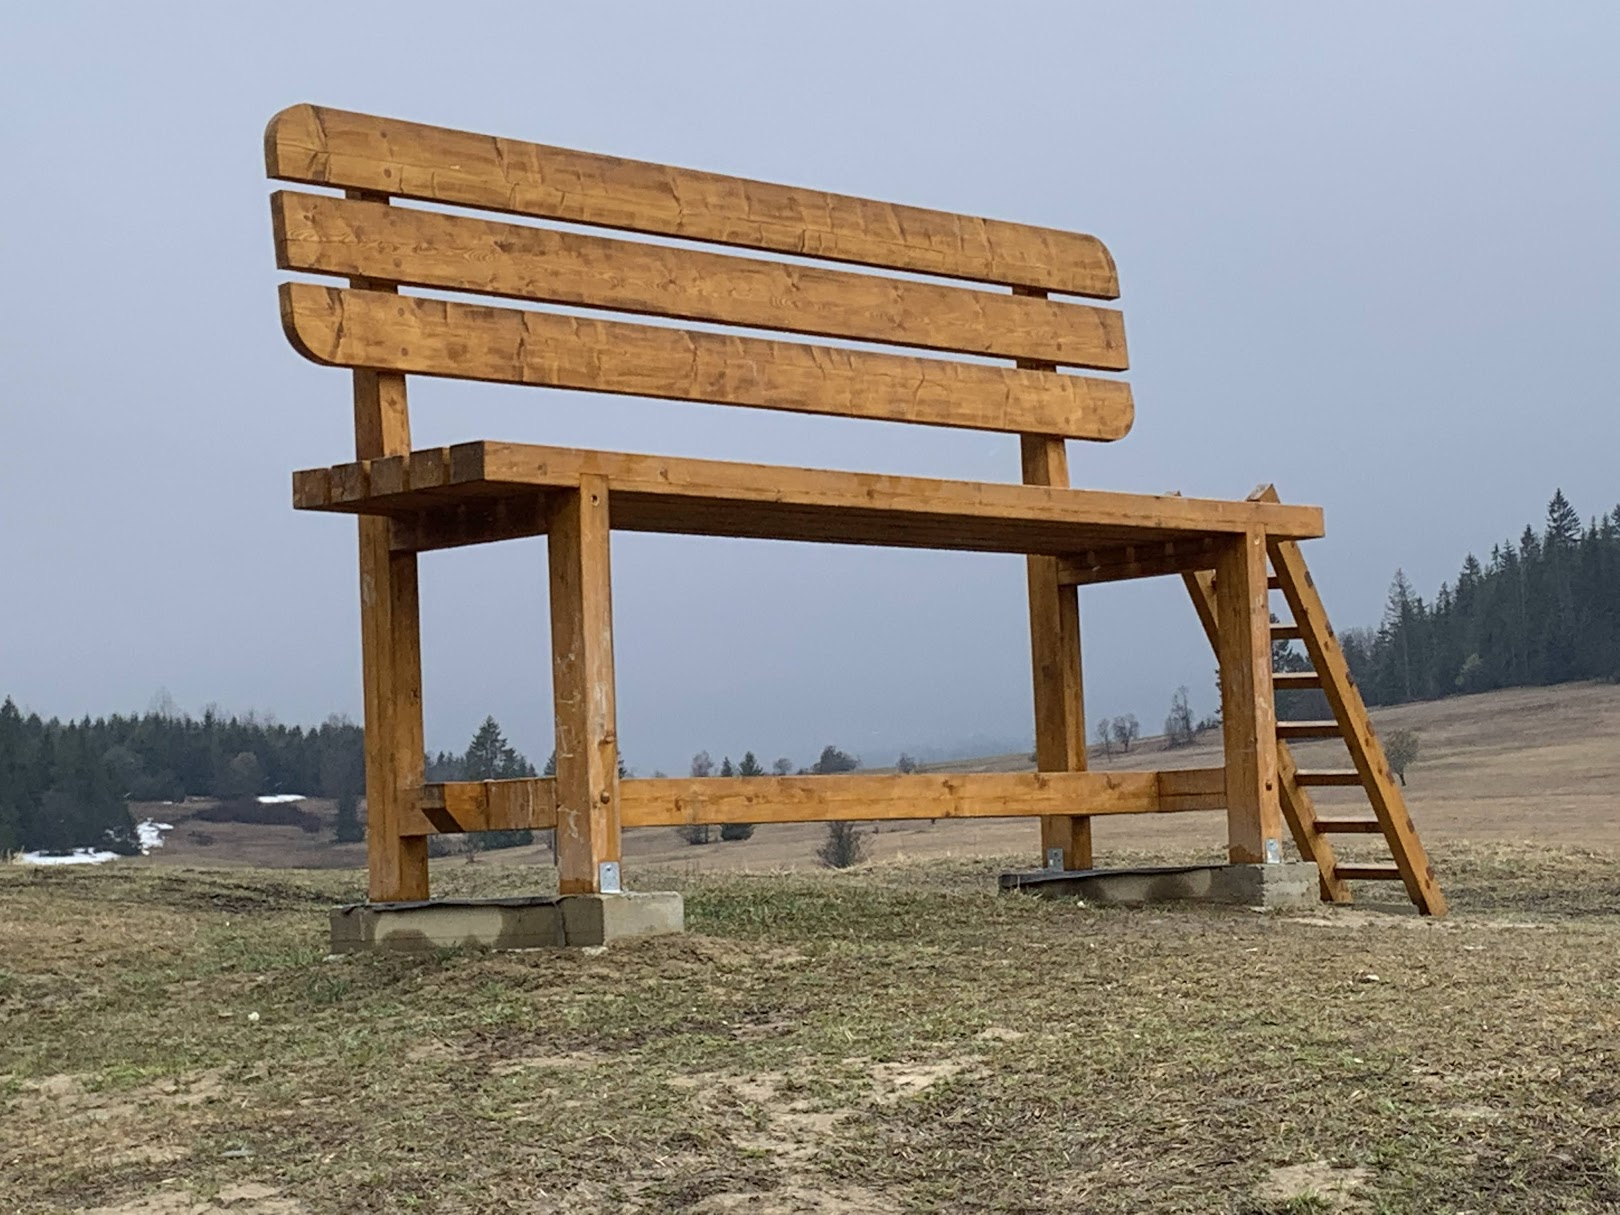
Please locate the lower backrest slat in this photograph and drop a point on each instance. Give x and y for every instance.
(367, 329)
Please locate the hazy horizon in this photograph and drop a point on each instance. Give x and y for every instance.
(1369, 254)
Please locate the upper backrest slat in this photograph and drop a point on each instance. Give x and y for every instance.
(319, 146)
(418, 248)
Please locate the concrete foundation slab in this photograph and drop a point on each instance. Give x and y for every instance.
(540, 922)
(1290, 884)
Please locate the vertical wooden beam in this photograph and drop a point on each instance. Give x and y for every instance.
(1298, 810)
(1248, 710)
(1054, 639)
(391, 649)
(582, 681)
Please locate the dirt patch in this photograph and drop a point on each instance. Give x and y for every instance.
(899, 1081)
(243, 1198)
(1334, 1189)
(798, 1200)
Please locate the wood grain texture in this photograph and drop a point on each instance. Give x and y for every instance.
(345, 328)
(323, 235)
(1298, 809)
(1055, 665)
(583, 686)
(390, 652)
(1138, 561)
(460, 486)
(1248, 711)
(1372, 770)
(672, 802)
(320, 146)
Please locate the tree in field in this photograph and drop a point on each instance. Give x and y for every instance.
(843, 847)
(1401, 749)
(833, 760)
(349, 828)
(725, 767)
(783, 766)
(1105, 735)
(905, 765)
(1126, 731)
(1178, 726)
(749, 766)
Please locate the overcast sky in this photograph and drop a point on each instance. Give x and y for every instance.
(1369, 252)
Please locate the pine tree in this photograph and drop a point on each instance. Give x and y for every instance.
(749, 766)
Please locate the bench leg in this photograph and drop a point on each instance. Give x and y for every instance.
(1248, 705)
(582, 681)
(1060, 726)
(390, 642)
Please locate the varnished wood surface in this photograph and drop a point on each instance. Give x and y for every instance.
(320, 146)
(323, 235)
(1248, 706)
(346, 328)
(709, 497)
(582, 680)
(672, 802)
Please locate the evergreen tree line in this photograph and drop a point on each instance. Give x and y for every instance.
(1544, 610)
(66, 784)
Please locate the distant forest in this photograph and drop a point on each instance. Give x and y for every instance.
(1543, 610)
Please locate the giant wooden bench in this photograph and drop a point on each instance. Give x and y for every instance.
(988, 340)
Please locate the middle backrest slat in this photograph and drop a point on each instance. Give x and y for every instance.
(419, 248)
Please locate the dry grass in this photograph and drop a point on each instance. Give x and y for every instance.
(896, 1038)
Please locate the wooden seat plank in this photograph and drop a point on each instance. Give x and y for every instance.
(386, 156)
(347, 328)
(323, 235)
(711, 497)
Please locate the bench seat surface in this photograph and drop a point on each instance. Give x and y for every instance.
(474, 492)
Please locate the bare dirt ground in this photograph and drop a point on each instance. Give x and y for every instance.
(1517, 765)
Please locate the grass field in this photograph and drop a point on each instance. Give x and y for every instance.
(899, 1037)
(896, 1038)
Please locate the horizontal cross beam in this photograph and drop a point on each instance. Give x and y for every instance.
(454, 807)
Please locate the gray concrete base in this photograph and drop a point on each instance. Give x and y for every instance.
(1291, 884)
(540, 922)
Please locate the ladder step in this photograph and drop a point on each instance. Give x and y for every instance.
(1328, 777)
(1350, 826)
(1295, 681)
(1368, 873)
(1286, 632)
(1309, 729)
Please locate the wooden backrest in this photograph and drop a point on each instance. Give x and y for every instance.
(376, 246)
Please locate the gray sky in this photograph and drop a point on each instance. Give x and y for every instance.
(1368, 252)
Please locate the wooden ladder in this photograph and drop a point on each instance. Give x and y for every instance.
(1331, 673)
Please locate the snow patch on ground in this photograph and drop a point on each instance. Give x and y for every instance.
(79, 856)
(272, 799)
(149, 832)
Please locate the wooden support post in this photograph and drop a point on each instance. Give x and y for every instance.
(391, 649)
(1248, 710)
(1054, 639)
(582, 680)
